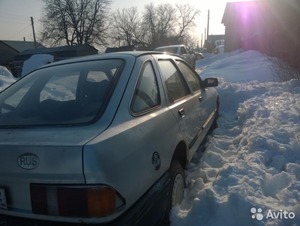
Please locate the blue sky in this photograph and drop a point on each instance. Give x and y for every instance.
(15, 15)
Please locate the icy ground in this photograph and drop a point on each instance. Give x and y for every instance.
(248, 171)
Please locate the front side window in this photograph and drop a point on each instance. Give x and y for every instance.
(59, 95)
(146, 94)
(191, 77)
(174, 82)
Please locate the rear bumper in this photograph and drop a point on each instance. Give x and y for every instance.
(149, 210)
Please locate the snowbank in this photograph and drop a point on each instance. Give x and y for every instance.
(36, 61)
(238, 66)
(249, 171)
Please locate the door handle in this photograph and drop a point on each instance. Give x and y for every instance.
(181, 112)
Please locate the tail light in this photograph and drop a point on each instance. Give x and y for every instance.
(75, 201)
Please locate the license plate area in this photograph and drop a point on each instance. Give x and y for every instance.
(3, 203)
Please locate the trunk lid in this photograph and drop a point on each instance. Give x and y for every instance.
(39, 155)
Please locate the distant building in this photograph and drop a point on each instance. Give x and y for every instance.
(9, 49)
(59, 53)
(270, 26)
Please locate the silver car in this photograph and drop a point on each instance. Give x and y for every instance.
(102, 139)
(180, 50)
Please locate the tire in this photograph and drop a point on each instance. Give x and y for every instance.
(177, 183)
(176, 188)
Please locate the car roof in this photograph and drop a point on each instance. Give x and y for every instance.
(124, 55)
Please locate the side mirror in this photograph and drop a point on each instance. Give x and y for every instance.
(210, 82)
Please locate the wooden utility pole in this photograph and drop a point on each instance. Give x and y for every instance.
(32, 24)
(207, 25)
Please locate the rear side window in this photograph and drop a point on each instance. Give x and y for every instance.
(146, 94)
(174, 82)
(183, 50)
(60, 95)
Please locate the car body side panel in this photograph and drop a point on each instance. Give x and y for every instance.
(191, 121)
(208, 111)
(123, 154)
(198, 109)
(188, 111)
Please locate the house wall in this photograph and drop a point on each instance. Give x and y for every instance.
(285, 23)
(270, 26)
(6, 53)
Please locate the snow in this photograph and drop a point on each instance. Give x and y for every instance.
(248, 171)
(36, 61)
(238, 66)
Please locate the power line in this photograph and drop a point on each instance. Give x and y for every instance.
(16, 18)
(23, 29)
(12, 16)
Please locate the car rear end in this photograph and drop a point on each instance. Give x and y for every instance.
(42, 180)
(28, 167)
(46, 119)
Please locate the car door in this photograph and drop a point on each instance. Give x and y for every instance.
(184, 100)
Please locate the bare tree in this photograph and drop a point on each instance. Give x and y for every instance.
(186, 18)
(158, 22)
(166, 24)
(75, 22)
(127, 27)
(166, 17)
(149, 24)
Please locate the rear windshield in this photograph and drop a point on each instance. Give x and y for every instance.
(60, 95)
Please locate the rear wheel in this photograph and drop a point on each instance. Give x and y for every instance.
(177, 184)
(176, 188)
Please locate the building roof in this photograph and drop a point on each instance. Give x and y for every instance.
(20, 46)
(68, 48)
(60, 53)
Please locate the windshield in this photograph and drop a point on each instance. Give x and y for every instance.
(59, 95)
